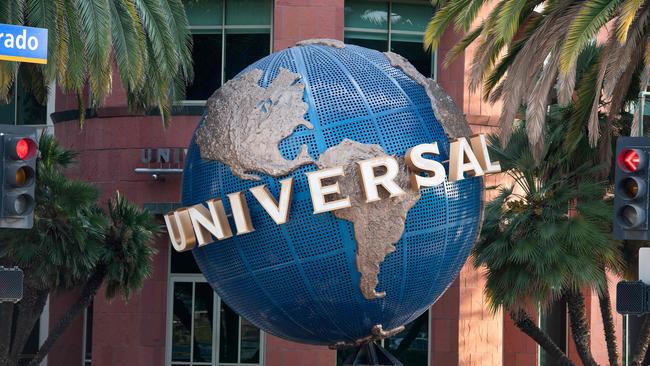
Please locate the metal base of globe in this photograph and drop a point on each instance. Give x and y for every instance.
(371, 354)
(377, 333)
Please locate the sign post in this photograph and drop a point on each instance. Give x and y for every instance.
(633, 297)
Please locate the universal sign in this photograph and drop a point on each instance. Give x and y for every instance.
(23, 44)
(200, 224)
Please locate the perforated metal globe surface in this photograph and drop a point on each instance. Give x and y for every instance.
(299, 280)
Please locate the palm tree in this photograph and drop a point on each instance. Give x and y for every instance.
(125, 262)
(528, 54)
(148, 41)
(57, 253)
(547, 236)
(528, 48)
(73, 244)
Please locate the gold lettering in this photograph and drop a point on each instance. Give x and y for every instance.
(461, 160)
(179, 227)
(417, 163)
(318, 191)
(479, 145)
(211, 221)
(370, 182)
(240, 213)
(279, 211)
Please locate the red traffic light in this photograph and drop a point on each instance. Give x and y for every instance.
(630, 160)
(25, 148)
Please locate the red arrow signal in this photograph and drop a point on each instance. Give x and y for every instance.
(629, 160)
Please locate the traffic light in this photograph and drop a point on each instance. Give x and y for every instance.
(631, 189)
(17, 176)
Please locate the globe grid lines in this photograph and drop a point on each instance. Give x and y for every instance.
(332, 277)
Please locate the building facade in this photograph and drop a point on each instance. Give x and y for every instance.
(177, 319)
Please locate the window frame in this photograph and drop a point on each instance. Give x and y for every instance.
(389, 31)
(216, 306)
(223, 29)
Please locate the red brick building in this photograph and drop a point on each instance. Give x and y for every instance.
(153, 328)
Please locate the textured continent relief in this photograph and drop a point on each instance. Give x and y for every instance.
(450, 117)
(377, 225)
(246, 123)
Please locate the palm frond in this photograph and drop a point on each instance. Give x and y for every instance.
(439, 22)
(94, 16)
(538, 103)
(566, 85)
(629, 11)
(127, 44)
(593, 14)
(622, 54)
(465, 19)
(508, 21)
(461, 45)
(73, 76)
(160, 38)
(180, 29)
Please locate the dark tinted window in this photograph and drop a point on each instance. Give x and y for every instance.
(206, 56)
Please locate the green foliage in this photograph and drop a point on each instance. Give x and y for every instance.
(127, 256)
(533, 34)
(72, 236)
(548, 231)
(87, 36)
(74, 244)
(63, 246)
(590, 61)
(592, 16)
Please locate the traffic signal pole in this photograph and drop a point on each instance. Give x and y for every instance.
(18, 154)
(631, 220)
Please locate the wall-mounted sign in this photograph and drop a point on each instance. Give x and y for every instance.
(163, 157)
(23, 44)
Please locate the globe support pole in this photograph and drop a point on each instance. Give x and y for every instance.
(371, 354)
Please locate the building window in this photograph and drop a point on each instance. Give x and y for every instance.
(411, 347)
(228, 36)
(203, 330)
(366, 24)
(87, 359)
(23, 107)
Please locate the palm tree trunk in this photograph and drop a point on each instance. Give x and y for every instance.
(579, 326)
(89, 291)
(525, 324)
(6, 321)
(28, 310)
(608, 325)
(641, 347)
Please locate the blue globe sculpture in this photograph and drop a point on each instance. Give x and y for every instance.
(299, 280)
